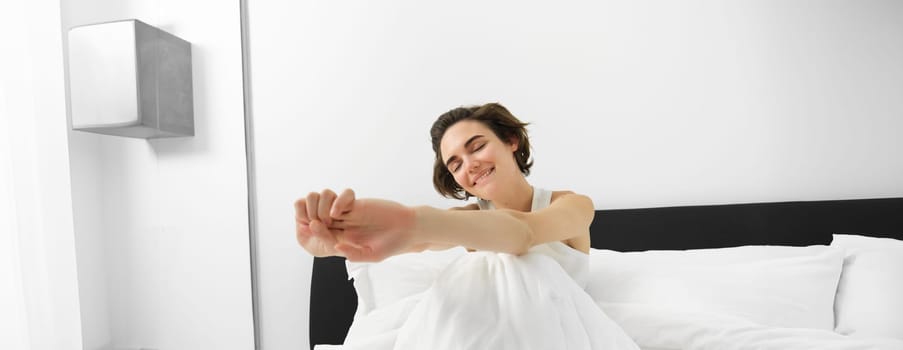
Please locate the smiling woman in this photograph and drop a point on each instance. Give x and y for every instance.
(525, 245)
(490, 124)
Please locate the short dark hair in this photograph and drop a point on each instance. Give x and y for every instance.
(498, 119)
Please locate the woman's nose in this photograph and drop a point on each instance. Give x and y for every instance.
(472, 165)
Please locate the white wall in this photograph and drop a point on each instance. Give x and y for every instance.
(37, 222)
(162, 225)
(635, 103)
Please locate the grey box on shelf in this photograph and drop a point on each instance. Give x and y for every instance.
(128, 78)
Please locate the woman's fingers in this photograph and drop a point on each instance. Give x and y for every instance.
(301, 212)
(313, 202)
(322, 224)
(327, 197)
(318, 231)
(339, 225)
(324, 206)
(342, 204)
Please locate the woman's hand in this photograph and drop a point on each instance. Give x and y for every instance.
(312, 217)
(375, 229)
(359, 229)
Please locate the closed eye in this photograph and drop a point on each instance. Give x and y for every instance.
(454, 163)
(457, 164)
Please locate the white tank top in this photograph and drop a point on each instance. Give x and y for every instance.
(574, 262)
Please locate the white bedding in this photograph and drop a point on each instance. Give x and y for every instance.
(487, 300)
(657, 328)
(327, 347)
(499, 301)
(771, 285)
(654, 327)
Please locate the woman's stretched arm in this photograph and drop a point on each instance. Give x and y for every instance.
(505, 230)
(493, 230)
(374, 229)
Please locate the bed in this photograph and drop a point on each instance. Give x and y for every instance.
(333, 300)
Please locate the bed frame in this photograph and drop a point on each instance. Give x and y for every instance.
(333, 300)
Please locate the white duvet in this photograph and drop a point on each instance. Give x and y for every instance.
(657, 329)
(660, 328)
(487, 300)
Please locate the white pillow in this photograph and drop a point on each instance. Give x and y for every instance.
(380, 284)
(771, 285)
(870, 295)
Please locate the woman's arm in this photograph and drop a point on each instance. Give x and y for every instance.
(444, 246)
(481, 230)
(373, 229)
(507, 231)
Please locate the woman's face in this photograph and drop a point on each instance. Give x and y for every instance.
(479, 161)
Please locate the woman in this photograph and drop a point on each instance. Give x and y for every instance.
(482, 151)
(529, 246)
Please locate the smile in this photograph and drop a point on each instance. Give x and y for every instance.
(484, 176)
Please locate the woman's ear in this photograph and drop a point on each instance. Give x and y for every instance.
(513, 143)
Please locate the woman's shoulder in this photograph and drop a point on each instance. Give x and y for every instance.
(581, 241)
(562, 193)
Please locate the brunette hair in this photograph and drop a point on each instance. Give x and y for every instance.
(498, 119)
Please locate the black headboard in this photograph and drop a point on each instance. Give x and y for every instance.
(333, 300)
